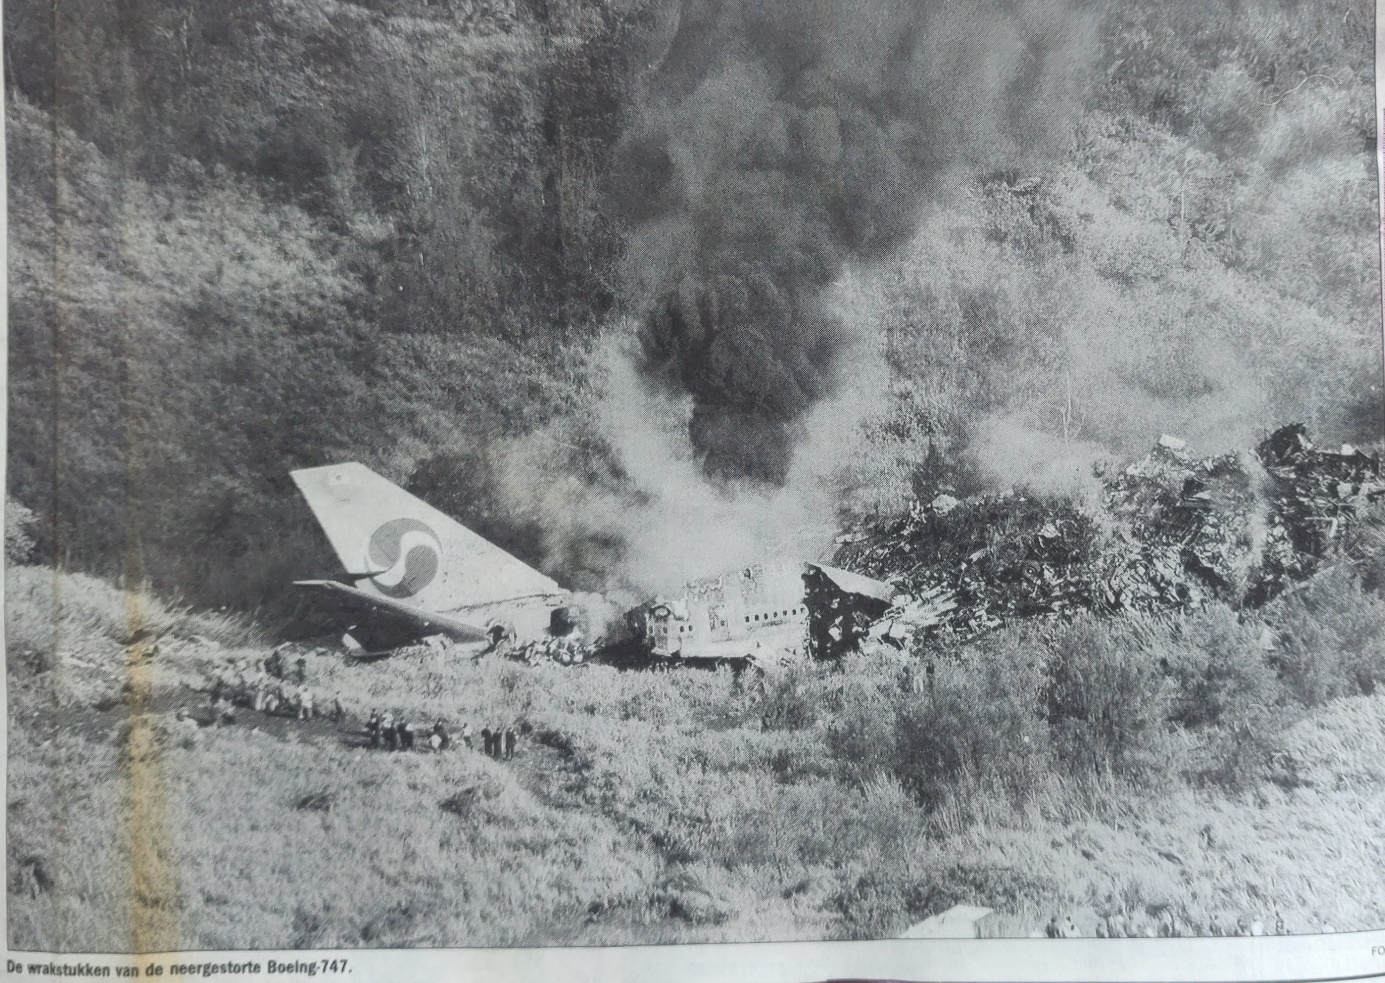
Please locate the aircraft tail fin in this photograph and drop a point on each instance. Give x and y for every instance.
(399, 547)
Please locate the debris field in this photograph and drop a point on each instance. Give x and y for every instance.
(1169, 532)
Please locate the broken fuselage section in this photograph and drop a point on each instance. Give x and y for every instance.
(754, 613)
(760, 614)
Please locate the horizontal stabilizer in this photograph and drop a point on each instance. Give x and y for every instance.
(368, 605)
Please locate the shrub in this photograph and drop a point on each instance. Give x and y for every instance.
(981, 716)
(790, 702)
(1331, 638)
(1216, 666)
(861, 737)
(1239, 756)
(1106, 700)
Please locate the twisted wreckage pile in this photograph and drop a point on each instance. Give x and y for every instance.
(1170, 532)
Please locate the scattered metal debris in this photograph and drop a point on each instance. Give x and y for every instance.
(1170, 532)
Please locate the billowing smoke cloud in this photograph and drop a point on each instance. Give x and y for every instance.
(777, 141)
(661, 520)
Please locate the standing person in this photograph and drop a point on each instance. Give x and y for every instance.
(486, 740)
(338, 711)
(389, 733)
(372, 726)
(511, 739)
(466, 735)
(406, 735)
(440, 740)
(300, 670)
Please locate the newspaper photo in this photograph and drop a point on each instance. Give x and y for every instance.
(694, 489)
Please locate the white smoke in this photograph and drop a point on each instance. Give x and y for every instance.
(686, 525)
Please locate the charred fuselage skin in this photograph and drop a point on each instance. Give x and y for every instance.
(754, 613)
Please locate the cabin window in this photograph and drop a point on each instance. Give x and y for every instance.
(757, 617)
(747, 619)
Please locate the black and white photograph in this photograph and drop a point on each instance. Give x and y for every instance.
(605, 473)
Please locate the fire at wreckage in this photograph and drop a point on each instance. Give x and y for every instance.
(1170, 532)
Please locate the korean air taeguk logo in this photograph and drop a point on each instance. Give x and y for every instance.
(408, 556)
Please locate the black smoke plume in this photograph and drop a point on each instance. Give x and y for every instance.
(776, 141)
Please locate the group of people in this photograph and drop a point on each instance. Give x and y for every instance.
(275, 686)
(394, 733)
(269, 687)
(495, 742)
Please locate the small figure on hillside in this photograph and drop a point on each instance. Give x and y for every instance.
(1279, 928)
(387, 730)
(1240, 926)
(274, 665)
(406, 735)
(440, 739)
(1052, 930)
(307, 707)
(511, 741)
(338, 711)
(1214, 926)
(372, 727)
(466, 736)
(300, 670)
(486, 741)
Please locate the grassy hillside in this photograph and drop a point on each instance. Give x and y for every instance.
(285, 233)
(303, 232)
(251, 237)
(673, 806)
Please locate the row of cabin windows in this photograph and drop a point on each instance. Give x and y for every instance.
(792, 612)
(778, 614)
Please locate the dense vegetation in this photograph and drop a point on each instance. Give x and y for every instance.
(1172, 772)
(268, 235)
(247, 237)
